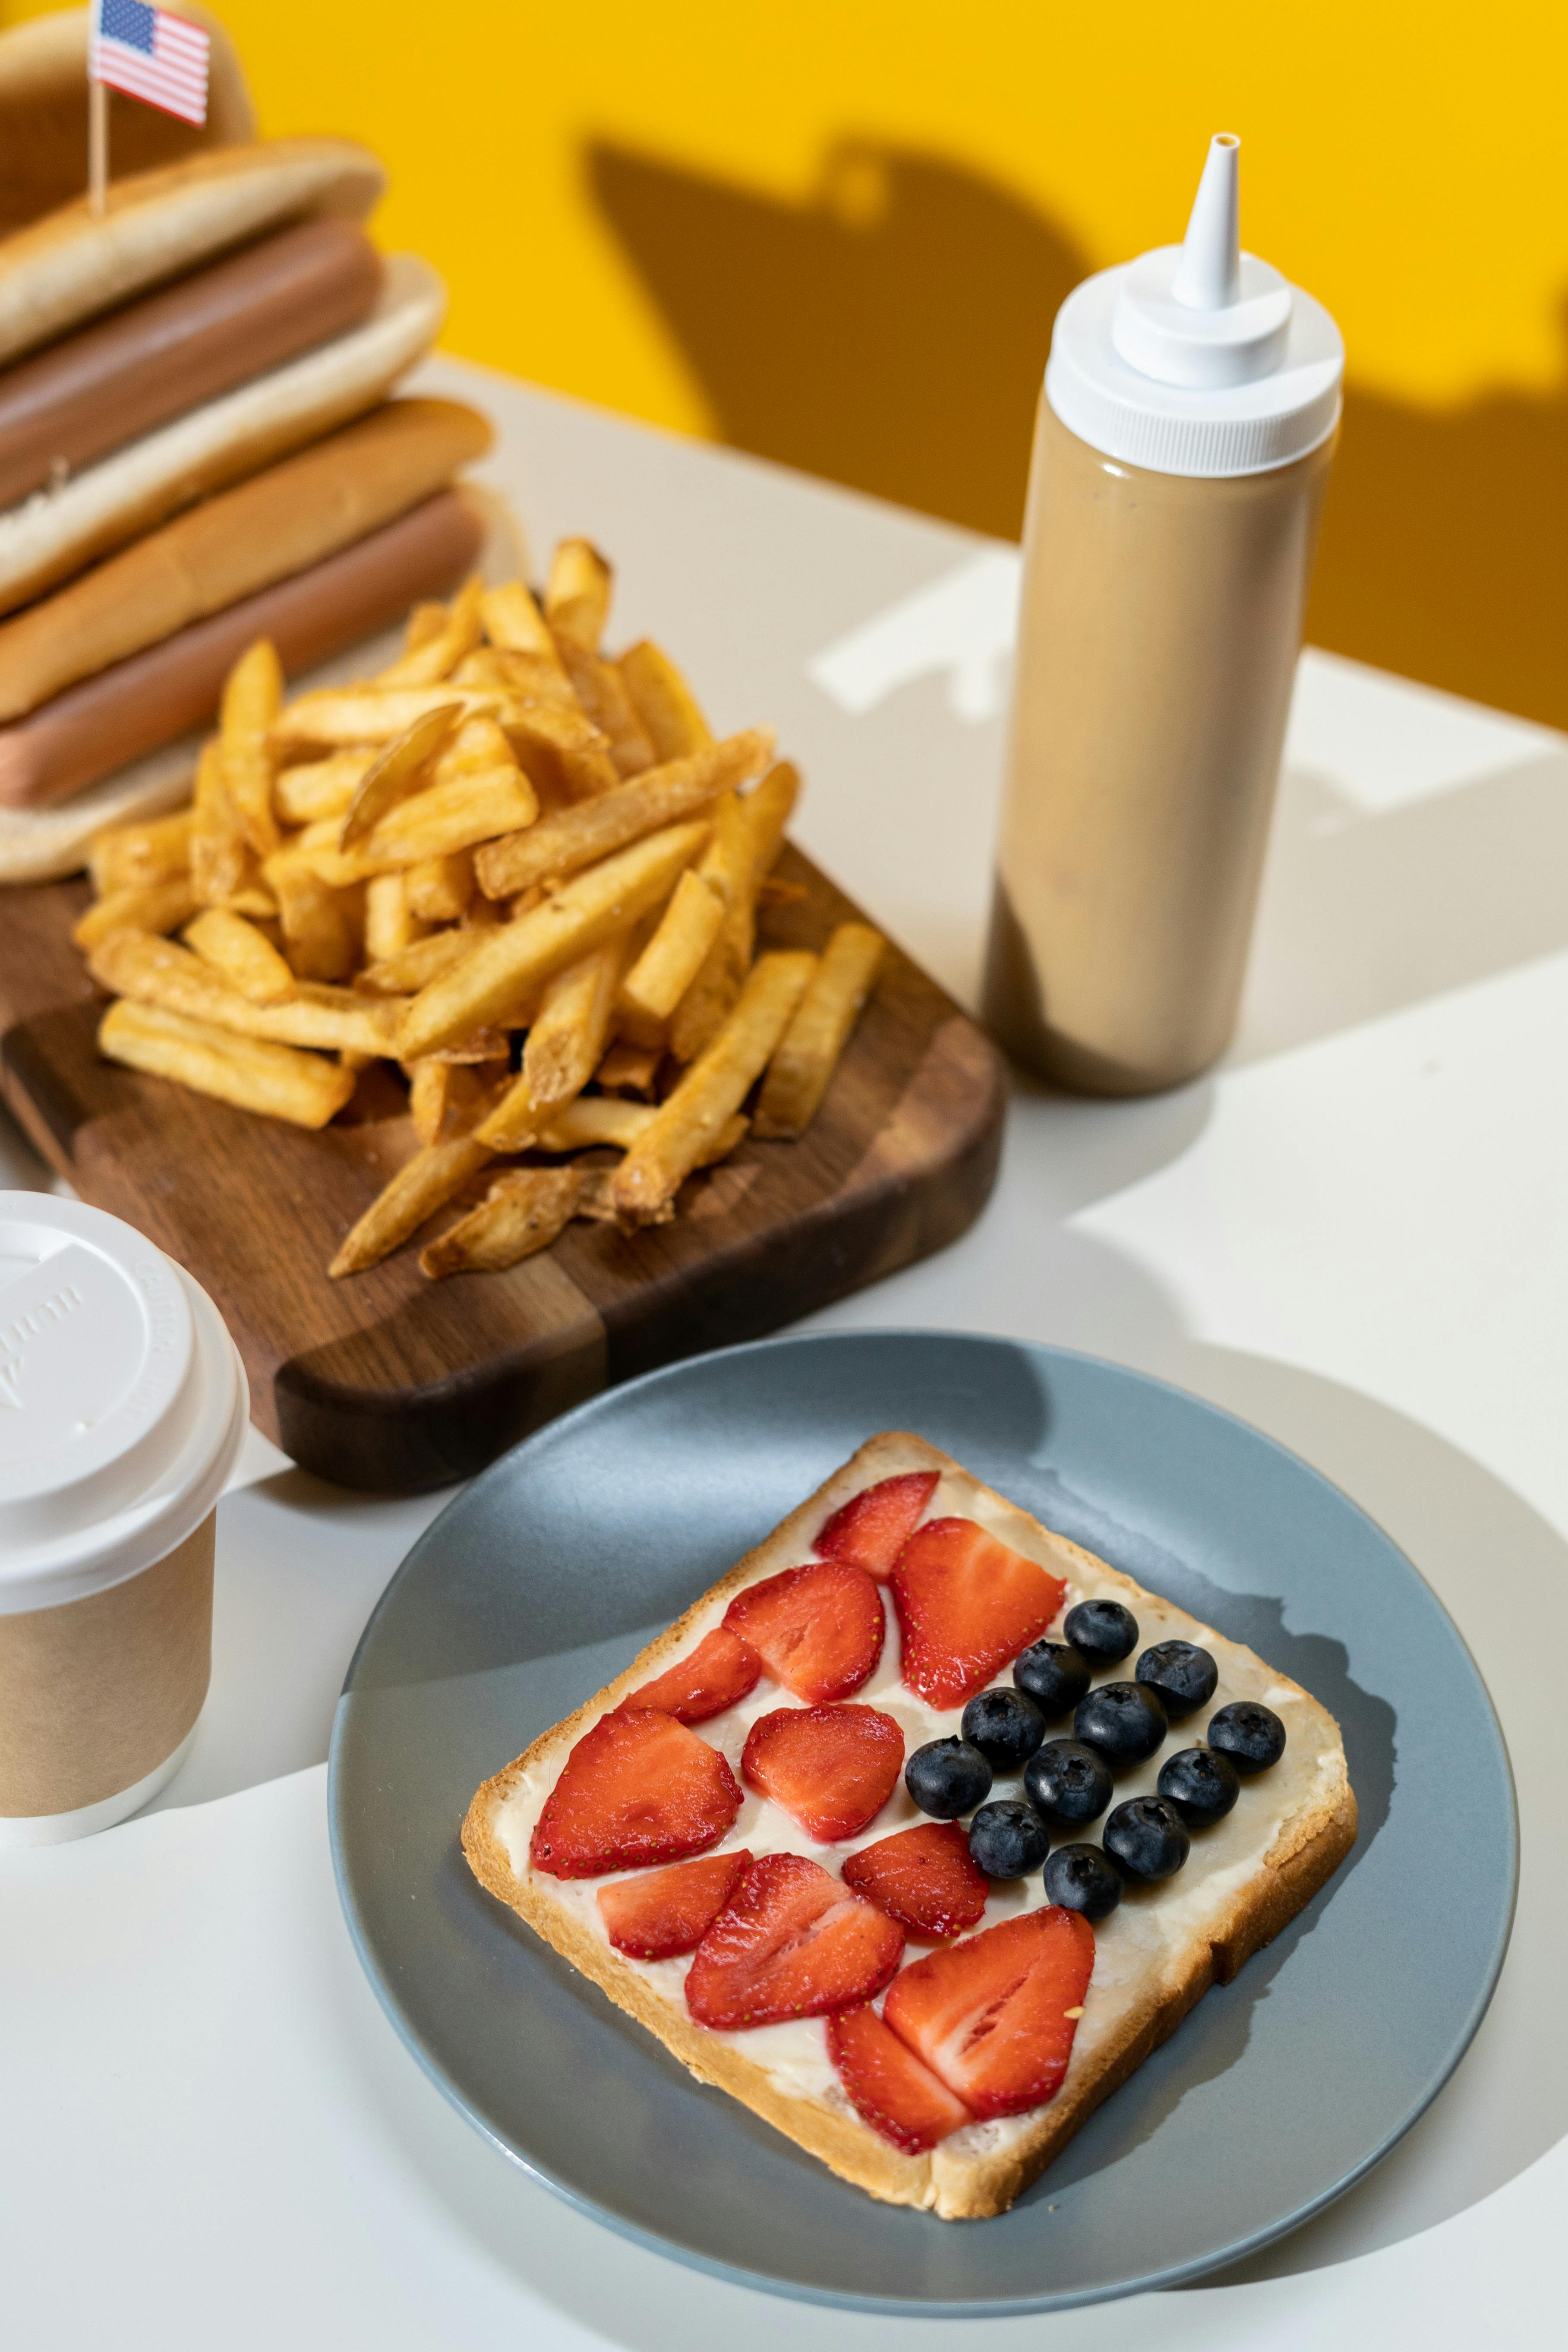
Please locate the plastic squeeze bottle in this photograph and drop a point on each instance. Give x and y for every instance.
(1185, 437)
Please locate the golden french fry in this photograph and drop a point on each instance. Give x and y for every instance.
(417, 967)
(570, 838)
(592, 1120)
(746, 840)
(514, 624)
(220, 854)
(252, 698)
(424, 623)
(272, 1079)
(628, 1070)
(772, 892)
(674, 956)
(567, 756)
(255, 901)
(321, 929)
(142, 906)
(663, 702)
(127, 854)
(396, 772)
(419, 1188)
(522, 1213)
(513, 1122)
(439, 888)
(598, 686)
(577, 593)
(446, 1097)
(808, 1051)
(567, 1036)
(237, 950)
(438, 654)
(521, 676)
(317, 789)
(685, 1127)
(428, 1095)
(446, 817)
(390, 924)
(508, 964)
(480, 1045)
(159, 971)
(340, 717)
(595, 1200)
(597, 1121)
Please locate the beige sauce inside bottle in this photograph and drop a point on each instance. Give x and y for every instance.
(1162, 619)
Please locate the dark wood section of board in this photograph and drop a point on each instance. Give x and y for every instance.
(389, 1381)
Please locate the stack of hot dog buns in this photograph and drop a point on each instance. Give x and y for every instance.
(197, 449)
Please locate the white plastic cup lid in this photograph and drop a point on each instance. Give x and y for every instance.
(122, 1401)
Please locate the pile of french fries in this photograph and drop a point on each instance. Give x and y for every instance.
(522, 872)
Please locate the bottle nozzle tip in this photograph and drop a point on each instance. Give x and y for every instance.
(1209, 275)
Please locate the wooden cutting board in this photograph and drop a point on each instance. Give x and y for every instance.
(389, 1381)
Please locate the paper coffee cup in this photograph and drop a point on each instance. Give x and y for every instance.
(122, 1405)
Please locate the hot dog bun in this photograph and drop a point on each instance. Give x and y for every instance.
(37, 845)
(277, 523)
(174, 685)
(111, 382)
(68, 268)
(43, 114)
(54, 533)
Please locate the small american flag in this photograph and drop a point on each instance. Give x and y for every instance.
(152, 55)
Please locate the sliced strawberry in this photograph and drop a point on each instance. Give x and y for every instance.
(994, 2016)
(922, 1877)
(966, 1605)
(638, 1788)
(668, 1911)
(790, 1942)
(720, 1669)
(889, 2088)
(872, 1527)
(833, 1768)
(819, 1628)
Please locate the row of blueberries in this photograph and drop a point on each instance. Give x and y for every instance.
(1068, 1781)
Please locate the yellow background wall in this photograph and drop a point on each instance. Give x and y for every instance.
(837, 233)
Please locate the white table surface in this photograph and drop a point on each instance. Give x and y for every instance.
(1355, 1235)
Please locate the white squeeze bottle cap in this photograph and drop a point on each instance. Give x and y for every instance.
(1197, 358)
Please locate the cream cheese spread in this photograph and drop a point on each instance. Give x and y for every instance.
(1143, 1938)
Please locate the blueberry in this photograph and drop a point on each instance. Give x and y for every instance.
(1069, 1784)
(1055, 1675)
(1252, 1736)
(1201, 1786)
(947, 1777)
(1103, 1631)
(1005, 1726)
(1125, 1721)
(1183, 1675)
(1007, 1841)
(1079, 1878)
(1147, 1838)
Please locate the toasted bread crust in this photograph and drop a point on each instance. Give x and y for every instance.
(956, 2184)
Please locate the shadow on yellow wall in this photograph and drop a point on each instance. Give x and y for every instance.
(891, 332)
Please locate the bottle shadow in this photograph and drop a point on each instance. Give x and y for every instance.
(889, 330)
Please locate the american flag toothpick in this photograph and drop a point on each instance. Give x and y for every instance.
(149, 54)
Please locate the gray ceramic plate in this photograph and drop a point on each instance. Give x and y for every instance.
(547, 1574)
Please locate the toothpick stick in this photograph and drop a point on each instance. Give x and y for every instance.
(97, 148)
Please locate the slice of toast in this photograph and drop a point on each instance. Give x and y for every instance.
(1154, 1957)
